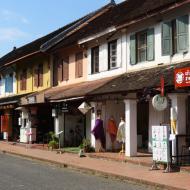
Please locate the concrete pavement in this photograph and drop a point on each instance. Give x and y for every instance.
(126, 171)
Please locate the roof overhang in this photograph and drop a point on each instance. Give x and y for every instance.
(152, 14)
(98, 35)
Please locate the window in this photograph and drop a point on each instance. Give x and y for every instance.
(95, 60)
(9, 83)
(142, 46)
(175, 36)
(112, 54)
(38, 76)
(66, 69)
(63, 69)
(79, 64)
(23, 78)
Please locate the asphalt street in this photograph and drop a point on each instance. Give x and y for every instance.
(21, 174)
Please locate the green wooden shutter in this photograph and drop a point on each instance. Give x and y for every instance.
(133, 49)
(182, 33)
(150, 44)
(167, 38)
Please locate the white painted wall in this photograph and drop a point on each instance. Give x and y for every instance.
(177, 58)
(103, 60)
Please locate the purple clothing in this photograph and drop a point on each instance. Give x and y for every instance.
(98, 132)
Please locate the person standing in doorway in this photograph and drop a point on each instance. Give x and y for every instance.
(121, 133)
(112, 131)
(99, 134)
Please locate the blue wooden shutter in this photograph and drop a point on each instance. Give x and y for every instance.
(167, 38)
(150, 44)
(9, 83)
(182, 33)
(133, 49)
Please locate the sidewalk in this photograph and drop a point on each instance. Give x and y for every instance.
(127, 171)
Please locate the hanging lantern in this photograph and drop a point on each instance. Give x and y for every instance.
(84, 107)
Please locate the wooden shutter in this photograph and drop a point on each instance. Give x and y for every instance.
(167, 38)
(40, 74)
(36, 76)
(24, 78)
(150, 44)
(21, 82)
(60, 70)
(55, 71)
(182, 33)
(66, 69)
(133, 49)
(79, 65)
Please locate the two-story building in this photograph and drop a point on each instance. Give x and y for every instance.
(156, 42)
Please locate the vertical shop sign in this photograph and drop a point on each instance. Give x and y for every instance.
(160, 144)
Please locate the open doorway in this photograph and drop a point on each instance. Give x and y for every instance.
(142, 126)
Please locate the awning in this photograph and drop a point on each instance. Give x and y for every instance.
(10, 101)
(79, 90)
(134, 81)
(34, 98)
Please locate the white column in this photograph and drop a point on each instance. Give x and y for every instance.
(131, 127)
(93, 119)
(178, 102)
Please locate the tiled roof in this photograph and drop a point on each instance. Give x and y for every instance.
(138, 80)
(75, 90)
(118, 15)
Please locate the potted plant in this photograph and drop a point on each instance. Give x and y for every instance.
(86, 146)
(53, 141)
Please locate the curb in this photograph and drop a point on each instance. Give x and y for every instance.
(95, 172)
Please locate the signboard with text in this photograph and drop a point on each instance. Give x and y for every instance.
(160, 144)
(182, 77)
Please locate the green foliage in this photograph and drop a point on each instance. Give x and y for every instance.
(53, 140)
(86, 145)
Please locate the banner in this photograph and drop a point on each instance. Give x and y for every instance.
(182, 77)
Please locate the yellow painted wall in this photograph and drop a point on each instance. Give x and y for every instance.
(30, 66)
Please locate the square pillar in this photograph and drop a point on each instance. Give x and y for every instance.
(93, 119)
(178, 103)
(131, 127)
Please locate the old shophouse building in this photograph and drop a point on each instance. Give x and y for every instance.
(114, 67)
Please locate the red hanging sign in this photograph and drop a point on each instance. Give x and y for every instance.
(182, 77)
(162, 85)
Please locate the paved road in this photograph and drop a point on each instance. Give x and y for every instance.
(22, 174)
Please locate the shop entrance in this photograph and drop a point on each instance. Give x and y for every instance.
(74, 127)
(142, 125)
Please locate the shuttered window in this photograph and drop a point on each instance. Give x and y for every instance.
(142, 46)
(9, 83)
(175, 36)
(38, 76)
(182, 33)
(23, 79)
(60, 70)
(133, 49)
(66, 69)
(112, 54)
(79, 65)
(95, 60)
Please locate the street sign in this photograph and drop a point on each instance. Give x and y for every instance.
(182, 77)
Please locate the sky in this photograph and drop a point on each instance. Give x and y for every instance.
(22, 21)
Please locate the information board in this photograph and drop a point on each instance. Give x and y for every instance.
(160, 144)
